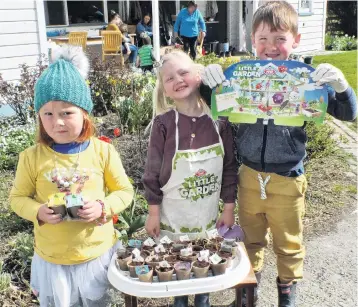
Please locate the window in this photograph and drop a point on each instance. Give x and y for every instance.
(85, 12)
(55, 13)
(305, 7)
(73, 12)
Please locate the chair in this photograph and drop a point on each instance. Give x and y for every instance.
(78, 39)
(112, 45)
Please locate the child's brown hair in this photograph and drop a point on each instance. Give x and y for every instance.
(278, 15)
(88, 130)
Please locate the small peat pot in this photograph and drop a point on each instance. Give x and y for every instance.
(144, 273)
(73, 212)
(123, 259)
(201, 269)
(172, 259)
(132, 268)
(219, 268)
(59, 210)
(226, 255)
(164, 274)
(182, 270)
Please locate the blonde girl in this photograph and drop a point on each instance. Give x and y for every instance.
(191, 163)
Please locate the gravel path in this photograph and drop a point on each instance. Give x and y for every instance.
(330, 269)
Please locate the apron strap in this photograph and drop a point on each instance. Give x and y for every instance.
(217, 130)
(176, 131)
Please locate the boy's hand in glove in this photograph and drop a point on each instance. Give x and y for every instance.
(326, 73)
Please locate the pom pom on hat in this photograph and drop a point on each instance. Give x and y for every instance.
(64, 79)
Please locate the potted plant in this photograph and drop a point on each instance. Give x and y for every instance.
(144, 273)
(123, 257)
(164, 271)
(182, 270)
(57, 203)
(218, 265)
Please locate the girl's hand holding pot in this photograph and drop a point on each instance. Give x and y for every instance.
(45, 215)
(91, 211)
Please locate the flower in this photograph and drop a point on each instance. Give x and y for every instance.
(115, 219)
(105, 139)
(117, 132)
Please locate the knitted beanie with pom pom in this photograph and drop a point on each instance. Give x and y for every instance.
(64, 79)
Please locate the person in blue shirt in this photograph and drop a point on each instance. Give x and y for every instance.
(187, 24)
(144, 27)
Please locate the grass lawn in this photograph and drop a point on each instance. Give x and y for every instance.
(347, 63)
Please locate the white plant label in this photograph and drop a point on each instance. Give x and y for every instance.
(165, 240)
(186, 251)
(204, 255)
(159, 249)
(164, 264)
(136, 252)
(212, 233)
(215, 259)
(149, 242)
(184, 238)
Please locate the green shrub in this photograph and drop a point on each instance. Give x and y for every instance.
(20, 95)
(134, 102)
(340, 43)
(5, 279)
(320, 142)
(224, 62)
(14, 139)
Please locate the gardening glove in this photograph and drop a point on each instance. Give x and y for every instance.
(213, 75)
(326, 73)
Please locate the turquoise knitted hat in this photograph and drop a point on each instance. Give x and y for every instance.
(64, 79)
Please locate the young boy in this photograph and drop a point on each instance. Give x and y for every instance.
(274, 154)
(146, 58)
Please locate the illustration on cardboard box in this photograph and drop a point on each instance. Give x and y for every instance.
(278, 90)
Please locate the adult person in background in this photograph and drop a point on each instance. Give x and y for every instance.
(144, 27)
(187, 24)
(115, 22)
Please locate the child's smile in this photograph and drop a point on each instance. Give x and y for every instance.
(274, 44)
(179, 79)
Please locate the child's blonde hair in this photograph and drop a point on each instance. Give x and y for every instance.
(160, 102)
(279, 15)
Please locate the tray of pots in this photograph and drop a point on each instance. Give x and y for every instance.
(146, 268)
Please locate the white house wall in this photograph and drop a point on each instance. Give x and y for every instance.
(21, 41)
(312, 27)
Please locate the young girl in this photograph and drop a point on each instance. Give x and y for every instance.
(67, 165)
(190, 164)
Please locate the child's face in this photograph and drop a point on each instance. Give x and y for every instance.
(62, 121)
(276, 45)
(180, 80)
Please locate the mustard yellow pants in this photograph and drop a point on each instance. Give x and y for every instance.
(281, 211)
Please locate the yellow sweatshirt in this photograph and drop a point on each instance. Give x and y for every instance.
(71, 242)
